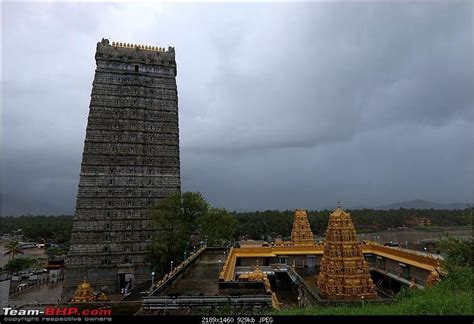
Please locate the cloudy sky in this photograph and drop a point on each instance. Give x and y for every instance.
(281, 105)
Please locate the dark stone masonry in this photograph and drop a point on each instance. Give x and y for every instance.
(130, 160)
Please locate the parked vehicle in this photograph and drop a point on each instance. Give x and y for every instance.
(21, 286)
(27, 245)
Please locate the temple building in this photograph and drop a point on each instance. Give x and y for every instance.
(130, 160)
(344, 273)
(301, 233)
(296, 273)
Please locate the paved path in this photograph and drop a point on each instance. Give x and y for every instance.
(201, 277)
(42, 294)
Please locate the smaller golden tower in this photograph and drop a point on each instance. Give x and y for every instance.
(84, 293)
(301, 233)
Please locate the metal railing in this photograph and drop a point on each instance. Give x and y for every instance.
(171, 302)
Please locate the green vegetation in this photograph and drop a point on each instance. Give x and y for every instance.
(20, 264)
(56, 228)
(218, 226)
(13, 249)
(260, 225)
(180, 221)
(452, 296)
(54, 252)
(257, 225)
(458, 254)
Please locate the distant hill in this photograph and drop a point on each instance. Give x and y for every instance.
(422, 204)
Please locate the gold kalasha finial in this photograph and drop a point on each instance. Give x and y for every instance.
(338, 204)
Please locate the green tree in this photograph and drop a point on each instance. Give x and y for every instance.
(39, 228)
(174, 220)
(19, 264)
(217, 225)
(54, 252)
(13, 249)
(457, 253)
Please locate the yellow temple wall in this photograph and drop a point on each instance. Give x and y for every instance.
(419, 263)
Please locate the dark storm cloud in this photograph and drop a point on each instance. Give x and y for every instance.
(281, 105)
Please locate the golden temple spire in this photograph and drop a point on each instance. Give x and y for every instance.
(344, 272)
(301, 233)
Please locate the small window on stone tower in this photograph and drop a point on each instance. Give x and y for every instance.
(136, 68)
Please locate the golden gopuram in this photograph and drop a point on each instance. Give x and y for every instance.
(344, 273)
(301, 233)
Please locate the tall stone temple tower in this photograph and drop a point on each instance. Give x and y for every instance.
(130, 160)
(344, 273)
(301, 233)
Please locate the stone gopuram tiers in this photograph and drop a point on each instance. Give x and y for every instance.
(344, 273)
(301, 233)
(130, 160)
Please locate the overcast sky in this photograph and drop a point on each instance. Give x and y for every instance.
(281, 105)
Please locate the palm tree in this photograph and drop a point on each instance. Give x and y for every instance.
(13, 248)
